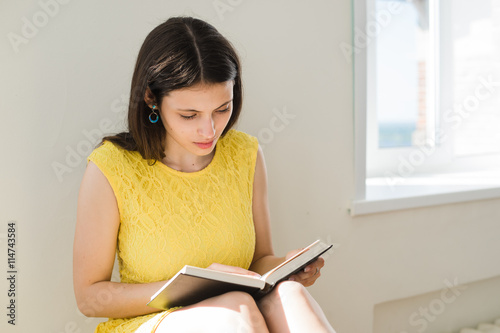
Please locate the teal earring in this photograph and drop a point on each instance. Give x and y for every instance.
(153, 117)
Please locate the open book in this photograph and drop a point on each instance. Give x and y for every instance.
(193, 284)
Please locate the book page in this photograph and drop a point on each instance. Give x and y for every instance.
(264, 277)
(297, 263)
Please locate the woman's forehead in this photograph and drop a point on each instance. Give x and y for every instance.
(200, 96)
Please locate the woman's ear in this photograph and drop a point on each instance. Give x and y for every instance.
(149, 98)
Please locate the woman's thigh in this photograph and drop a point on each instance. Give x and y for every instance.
(234, 312)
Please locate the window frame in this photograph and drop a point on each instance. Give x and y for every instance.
(371, 194)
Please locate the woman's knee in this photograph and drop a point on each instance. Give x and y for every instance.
(285, 292)
(290, 290)
(236, 299)
(250, 316)
(291, 287)
(230, 312)
(246, 314)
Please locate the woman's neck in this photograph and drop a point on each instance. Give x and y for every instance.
(188, 162)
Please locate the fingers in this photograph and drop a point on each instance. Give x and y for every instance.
(310, 273)
(306, 282)
(310, 280)
(319, 263)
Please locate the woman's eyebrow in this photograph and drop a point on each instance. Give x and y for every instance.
(192, 110)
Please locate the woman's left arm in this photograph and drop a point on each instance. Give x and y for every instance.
(264, 258)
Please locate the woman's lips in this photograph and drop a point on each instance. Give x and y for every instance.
(204, 145)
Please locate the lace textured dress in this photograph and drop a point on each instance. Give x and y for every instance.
(169, 218)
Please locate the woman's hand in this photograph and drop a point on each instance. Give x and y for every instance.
(310, 273)
(232, 269)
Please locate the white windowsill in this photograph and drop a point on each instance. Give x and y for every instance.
(426, 191)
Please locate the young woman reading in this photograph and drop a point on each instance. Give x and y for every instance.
(182, 187)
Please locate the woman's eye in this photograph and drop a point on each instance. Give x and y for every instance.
(194, 115)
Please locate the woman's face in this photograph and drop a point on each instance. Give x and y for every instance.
(195, 117)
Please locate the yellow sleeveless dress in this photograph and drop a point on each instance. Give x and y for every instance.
(169, 218)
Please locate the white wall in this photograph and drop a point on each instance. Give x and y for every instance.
(68, 83)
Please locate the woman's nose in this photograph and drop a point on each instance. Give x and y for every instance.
(207, 128)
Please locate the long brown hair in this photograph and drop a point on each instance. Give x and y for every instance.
(179, 53)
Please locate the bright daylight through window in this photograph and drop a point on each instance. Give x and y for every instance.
(430, 105)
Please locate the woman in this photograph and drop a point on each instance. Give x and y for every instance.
(182, 187)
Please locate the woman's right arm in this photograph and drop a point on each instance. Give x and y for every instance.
(94, 253)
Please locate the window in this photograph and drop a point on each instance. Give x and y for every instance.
(427, 102)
